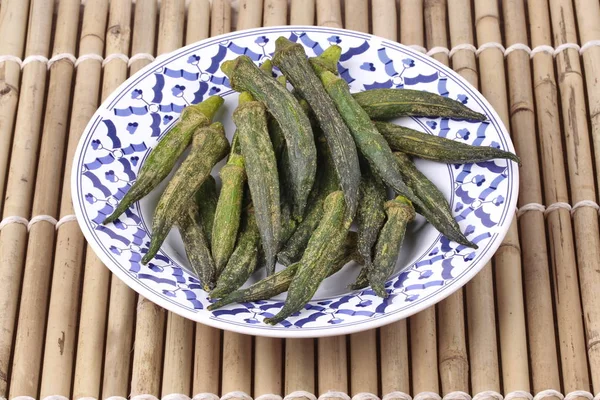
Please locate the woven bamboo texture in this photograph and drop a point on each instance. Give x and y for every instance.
(527, 325)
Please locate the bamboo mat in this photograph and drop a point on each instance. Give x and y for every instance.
(527, 325)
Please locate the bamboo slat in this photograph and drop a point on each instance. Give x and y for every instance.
(21, 175)
(198, 21)
(356, 13)
(236, 374)
(150, 318)
(61, 331)
(13, 26)
(585, 220)
(383, 18)
(249, 14)
(588, 19)
(411, 22)
(363, 362)
(36, 280)
(302, 12)
(538, 294)
(220, 21)
(332, 364)
(329, 13)
(267, 366)
(299, 365)
(275, 13)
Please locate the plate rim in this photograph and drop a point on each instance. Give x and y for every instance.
(203, 317)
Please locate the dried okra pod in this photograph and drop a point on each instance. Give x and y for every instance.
(245, 76)
(392, 103)
(242, 262)
(196, 247)
(291, 60)
(370, 215)
(280, 281)
(436, 148)
(209, 146)
(163, 157)
(250, 117)
(317, 261)
(399, 213)
(206, 200)
(433, 205)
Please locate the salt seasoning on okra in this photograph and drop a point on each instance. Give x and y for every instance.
(280, 281)
(291, 60)
(243, 261)
(197, 247)
(250, 118)
(209, 146)
(392, 103)
(433, 205)
(317, 261)
(163, 157)
(244, 76)
(399, 213)
(437, 148)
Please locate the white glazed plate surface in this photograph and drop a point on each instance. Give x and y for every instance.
(129, 123)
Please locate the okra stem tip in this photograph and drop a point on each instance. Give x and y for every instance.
(283, 43)
(228, 66)
(245, 97)
(328, 78)
(209, 107)
(267, 66)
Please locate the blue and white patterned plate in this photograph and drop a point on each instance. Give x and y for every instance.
(131, 121)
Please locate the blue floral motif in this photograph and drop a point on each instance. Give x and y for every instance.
(114, 149)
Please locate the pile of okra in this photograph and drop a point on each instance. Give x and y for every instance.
(303, 165)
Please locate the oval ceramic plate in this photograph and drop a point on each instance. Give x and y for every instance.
(131, 121)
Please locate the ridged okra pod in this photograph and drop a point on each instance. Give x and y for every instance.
(369, 141)
(436, 148)
(242, 262)
(280, 281)
(229, 206)
(206, 200)
(245, 76)
(399, 213)
(433, 205)
(370, 215)
(291, 60)
(209, 146)
(197, 247)
(392, 103)
(163, 157)
(263, 178)
(317, 261)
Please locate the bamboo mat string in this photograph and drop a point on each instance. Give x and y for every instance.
(538, 295)
(150, 318)
(31, 324)
(63, 311)
(509, 284)
(453, 364)
(13, 26)
(572, 342)
(588, 18)
(21, 176)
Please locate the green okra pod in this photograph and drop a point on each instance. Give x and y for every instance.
(436, 148)
(361, 281)
(288, 223)
(399, 213)
(263, 178)
(209, 146)
(244, 75)
(229, 206)
(392, 103)
(433, 205)
(163, 157)
(280, 281)
(197, 247)
(291, 60)
(317, 261)
(369, 141)
(243, 260)
(370, 215)
(206, 200)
